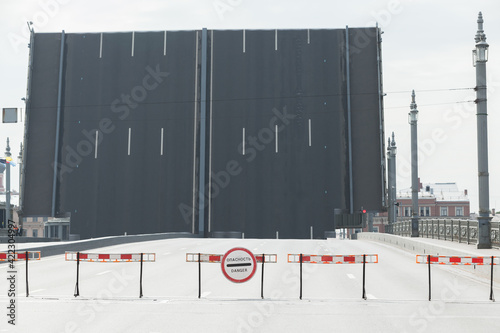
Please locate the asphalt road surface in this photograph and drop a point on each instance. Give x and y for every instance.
(396, 288)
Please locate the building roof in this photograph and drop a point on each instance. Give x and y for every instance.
(440, 191)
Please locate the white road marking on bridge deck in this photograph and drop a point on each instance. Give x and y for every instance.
(206, 293)
(133, 43)
(276, 131)
(100, 47)
(161, 142)
(276, 40)
(96, 143)
(310, 141)
(243, 141)
(370, 296)
(350, 276)
(129, 139)
(244, 41)
(165, 43)
(102, 273)
(36, 291)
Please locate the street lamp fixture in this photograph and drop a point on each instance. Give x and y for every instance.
(480, 54)
(413, 114)
(391, 168)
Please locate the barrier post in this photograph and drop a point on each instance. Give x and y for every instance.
(300, 261)
(262, 279)
(77, 288)
(140, 278)
(199, 275)
(429, 264)
(364, 264)
(27, 287)
(452, 230)
(460, 231)
(468, 232)
(491, 284)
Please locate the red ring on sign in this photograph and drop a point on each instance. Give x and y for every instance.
(224, 261)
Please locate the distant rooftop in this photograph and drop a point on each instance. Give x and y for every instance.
(440, 191)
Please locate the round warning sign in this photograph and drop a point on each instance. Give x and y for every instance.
(239, 265)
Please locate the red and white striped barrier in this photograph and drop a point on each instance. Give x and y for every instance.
(108, 257)
(5, 256)
(429, 260)
(18, 256)
(111, 257)
(217, 258)
(334, 259)
(456, 260)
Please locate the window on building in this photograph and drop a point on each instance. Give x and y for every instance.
(459, 211)
(425, 211)
(407, 211)
(444, 211)
(35, 233)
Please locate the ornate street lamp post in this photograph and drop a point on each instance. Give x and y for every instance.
(412, 120)
(480, 56)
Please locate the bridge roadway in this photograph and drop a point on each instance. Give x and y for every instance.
(397, 290)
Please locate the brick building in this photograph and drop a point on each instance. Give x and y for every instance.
(435, 200)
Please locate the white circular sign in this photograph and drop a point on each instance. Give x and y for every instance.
(238, 265)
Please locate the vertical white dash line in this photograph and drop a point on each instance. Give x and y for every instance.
(161, 142)
(129, 139)
(310, 141)
(96, 143)
(165, 43)
(276, 40)
(133, 42)
(100, 47)
(244, 41)
(276, 131)
(308, 36)
(243, 141)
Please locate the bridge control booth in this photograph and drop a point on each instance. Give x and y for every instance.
(57, 228)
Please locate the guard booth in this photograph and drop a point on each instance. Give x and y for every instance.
(57, 228)
(355, 221)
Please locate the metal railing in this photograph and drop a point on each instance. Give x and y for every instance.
(455, 230)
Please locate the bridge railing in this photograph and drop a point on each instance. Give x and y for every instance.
(455, 230)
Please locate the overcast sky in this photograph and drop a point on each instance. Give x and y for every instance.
(427, 46)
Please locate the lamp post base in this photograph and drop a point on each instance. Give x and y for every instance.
(483, 232)
(414, 227)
